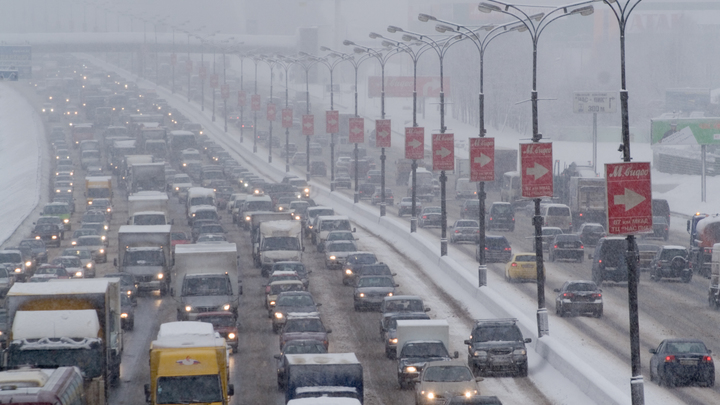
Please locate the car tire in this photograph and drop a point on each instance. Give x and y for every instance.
(581, 258)
(356, 307)
(522, 370)
(551, 257)
(686, 279)
(598, 313)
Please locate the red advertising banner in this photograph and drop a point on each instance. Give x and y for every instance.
(188, 66)
(383, 134)
(287, 118)
(357, 130)
(414, 143)
(202, 72)
(536, 170)
(255, 103)
(402, 86)
(214, 81)
(242, 98)
(308, 125)
(629, 197)
(332, 121)
(482, 159)
(173, 58)
(443, 151)
(271, 113)
(225, 91)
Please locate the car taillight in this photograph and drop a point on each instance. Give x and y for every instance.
(568, 295)
(508, 249)
(707, 359)
(669, 359)
(582, 247)
(490, 219)
(267, 290)
(598, 295)
(424, 216)
(456, 231)
(477, 231)
(513, 264)
(581, 214)
(555, 246)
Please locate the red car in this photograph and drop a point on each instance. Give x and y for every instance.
(224, 323)
(179, 238)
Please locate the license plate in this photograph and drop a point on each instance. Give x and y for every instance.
(527, 266)
(688, 362)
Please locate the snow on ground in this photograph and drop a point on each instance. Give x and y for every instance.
(23, 167)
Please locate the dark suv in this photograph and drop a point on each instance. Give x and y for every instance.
(671, 261)
(497, 249)
(470, 209)
(497, 345)
(501, 216)
(366, 190)
(608, 262)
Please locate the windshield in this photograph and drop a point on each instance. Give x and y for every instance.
(84, 232)
(10, 258)
(380, 269)
(202, 286)
(83, 254)
(581, 287)
(411, 305)
(49, 220)
(304, 325)
(497, 334)
(686, 347)
(669, 254)
(211, 229)
(98, 192)
(525, 258)
(213, 175)
(558, 211)
(281, 243)
(93, 218)
(50, 270)
(276, 289)
(433, 210)
(320, 212)
(424, 349)
(89, 241)
(56, 210)
(189, 389)
(466, 224)
(68, 262)
(294, 348)
(299, 268)
(335, 225)
(375, 282)
(259, 206)
(202, 201)
(295, 301)
(363, 259)
(340, 236)
(182, 178)
(32, 244)
(341, 247)
(502, 209)
(150, 219)
(206, 214)
(219, 321)
(447, 374)
(144, 258)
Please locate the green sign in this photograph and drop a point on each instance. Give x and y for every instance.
(685, 131)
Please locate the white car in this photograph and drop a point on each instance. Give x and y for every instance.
(445, 379)
(336, 253)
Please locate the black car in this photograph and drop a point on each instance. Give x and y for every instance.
(501, 216)
(578, 297)
(590, 233)
(299, 346)
(318, 168)
(343, 181)
(470, 209)
(374, 176)
(128, 285)
(566, 246)
(353, 262)
(430, 216)
(48, 233)
(497, 249)
(660, 228)
(671, 262)
(37, 248)
(609, 260)
(127, 315)
(497, 345)
(366, 190)
(682, 361)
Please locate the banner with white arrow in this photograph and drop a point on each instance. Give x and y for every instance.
(536, 170)
(356, 130)
(629, 198)
(482, 159)
(414, 143)
(383, 134)
(308, 125)
(443, 151)
(332, 121)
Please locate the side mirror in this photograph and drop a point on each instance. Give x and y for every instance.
(653, 351)
(467, 342)
(478, 379)
(172, 292)
(456, 355)
(354, 229)
(427, 309)
(328, 331)
(172, 222)
(309, 272)
(231, 389)
(394, 274)
(147, 392)
(115, 262)
(278, 356)
(527, 340)
(557, 290)
(317, 304)
(589, 256)
(397, 285)
(688, 225)
(303, 248)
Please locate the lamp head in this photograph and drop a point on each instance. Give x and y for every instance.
(348, 42)
(374, 35)
(388, 44)
(358, 50)
(442, 28)
(426, 17)
(487, 7)
(408, 38)
(393, 29)
(324, 49)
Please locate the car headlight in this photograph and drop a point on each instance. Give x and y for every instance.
(129, 292)
(410, 369)
(519, 352)
(78, 274)
(479, 353)
(177, 188)
(106, 227)
(226, 307)
(332, 257)
(160, 276)
(431, 395)
(361, 295)
(468, 394)
(54, 237)
(89, 265)
(124, 315)
(280, 208)
(38, 237)
(231, 335)
(272, 303)
(18, 270)
(102, 251)
(247, 218)
(278, 315)
(28, 264)
(109, 209)
(390, 294)
(103, 237)
(297, 217)
(188, 308)
(393, 341)
(348, 272)
(66, 220)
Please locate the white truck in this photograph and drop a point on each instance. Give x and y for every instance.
(205, 279)
(151, 208)
(145, 252)
(418, 342)
(279, 241)
(147, 177)
(424, 182)
(586, 199)
(199, 196)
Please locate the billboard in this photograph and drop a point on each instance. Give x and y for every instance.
(685, 131)
(17, 57)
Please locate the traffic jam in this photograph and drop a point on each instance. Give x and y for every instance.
(174, 270)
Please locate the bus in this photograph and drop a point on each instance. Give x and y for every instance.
(32, 386)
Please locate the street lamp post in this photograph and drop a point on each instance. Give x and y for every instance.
(356, 65)
(622, 14)
(382, 59)
(242, 107)
(415, 56)
(285, 64)
(255, 59)
(306, 62)
(535, 27)
(440, 49)
(481, 44)
(213, 78)
(331, 66)
(271, 63)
